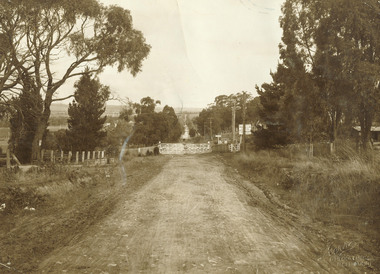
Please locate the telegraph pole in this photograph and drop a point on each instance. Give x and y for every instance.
(244, 114)
(233, 120)
(211, 129)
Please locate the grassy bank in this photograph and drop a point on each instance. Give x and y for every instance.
(333, 190)
(46, 209)
(339, 195)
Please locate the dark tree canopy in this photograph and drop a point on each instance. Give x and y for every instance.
(217, 117)
(152, 127)
(23, 124)
(86, 124)
(147, 105)
(37, 34)
(329, 71)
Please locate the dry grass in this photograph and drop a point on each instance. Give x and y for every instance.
(67, 201)
(343, 190)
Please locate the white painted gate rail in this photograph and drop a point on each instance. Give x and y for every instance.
(179, 148)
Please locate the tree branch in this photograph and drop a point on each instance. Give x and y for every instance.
(62, 99)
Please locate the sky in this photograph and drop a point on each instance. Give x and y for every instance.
(200, 49)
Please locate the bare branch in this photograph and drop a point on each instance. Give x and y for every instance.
(62, 99)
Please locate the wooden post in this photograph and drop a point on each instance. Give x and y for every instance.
(77, 157)
(42, 154)
(52, 156)
(233, 120)
(69, 157)
(312, 150)
(99, 154)
(88, 155)
(332, 148)
(83, 154)
(8, 159)
(102, 154)
(15, 159)
(93, 155)
(62, 156)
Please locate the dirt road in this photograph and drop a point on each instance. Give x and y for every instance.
(193, 217)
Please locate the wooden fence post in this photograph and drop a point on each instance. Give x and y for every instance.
(8, 159)
(311, 150)
(99, 154)
(42, 155)
(88, 155)
(83, 154)
(69, 157)
(77, 157)
(52, 156)
(15, 159)
(332, 147)
(61, 156)
(102, 154)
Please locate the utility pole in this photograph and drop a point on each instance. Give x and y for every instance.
(244, 102)
(210, 129)
(233, 120)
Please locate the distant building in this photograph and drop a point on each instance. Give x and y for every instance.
(186, 135)
(375, 132)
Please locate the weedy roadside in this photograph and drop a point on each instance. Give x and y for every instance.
(66, 200)
(338, 195)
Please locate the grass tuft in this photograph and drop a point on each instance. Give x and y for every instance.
(343, 189)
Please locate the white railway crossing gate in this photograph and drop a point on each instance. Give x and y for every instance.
(184, 148)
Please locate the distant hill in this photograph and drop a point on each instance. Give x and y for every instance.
(60, 110)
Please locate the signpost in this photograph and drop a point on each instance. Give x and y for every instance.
(218, 136)
(248, 128)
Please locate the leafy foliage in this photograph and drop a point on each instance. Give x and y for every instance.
(217, 117)
(329, 70)
(116, 135)
(23, 124)
(192, 132)
(152, 127)
(85, 121)
(84, 32)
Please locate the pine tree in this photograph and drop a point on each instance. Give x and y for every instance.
(85, 121)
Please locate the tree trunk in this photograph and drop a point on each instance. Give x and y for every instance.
(243, 141)
(41, 127)
(311, 147)
(233, 121)
(333, 133)
(365, 127)
(335, 119)
(334, 136)
(37, 140)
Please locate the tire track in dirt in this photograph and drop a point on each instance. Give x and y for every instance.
(189, 218)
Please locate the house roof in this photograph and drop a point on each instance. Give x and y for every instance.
(373, 129)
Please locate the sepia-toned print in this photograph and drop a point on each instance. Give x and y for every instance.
(203, 136)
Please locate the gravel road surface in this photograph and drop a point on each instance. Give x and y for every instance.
(193, 217)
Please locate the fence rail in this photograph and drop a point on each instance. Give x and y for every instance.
(5, 159)
(140, 151)
(59, 156)
(226, 148)
(56, 156)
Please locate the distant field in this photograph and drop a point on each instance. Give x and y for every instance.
(59, 110)
(56, 128)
